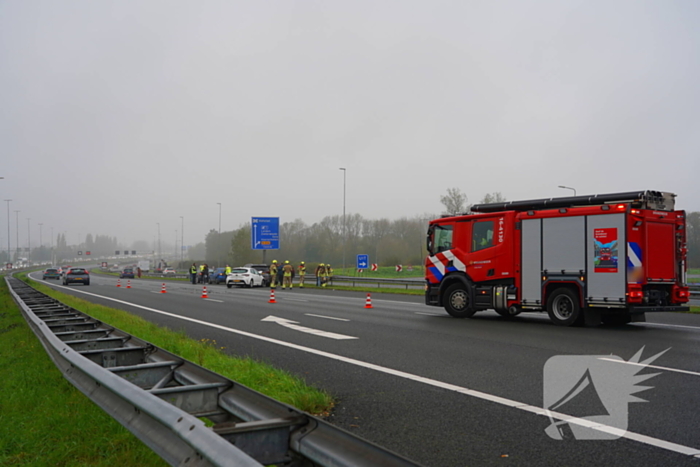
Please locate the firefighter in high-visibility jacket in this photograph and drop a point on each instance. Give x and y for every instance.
(328, 274)
(302, 272)
(273, 274)
(319, 274)
(287, 271)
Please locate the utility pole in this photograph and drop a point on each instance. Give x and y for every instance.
(344, 236)
(158, 224)
(568, 188)
(9, 253)
(182, 239)
(29, 242)
(17, 233)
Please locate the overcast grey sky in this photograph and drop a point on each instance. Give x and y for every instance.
(117, 115)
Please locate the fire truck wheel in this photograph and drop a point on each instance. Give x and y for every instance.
(563, 307)
(458, 301)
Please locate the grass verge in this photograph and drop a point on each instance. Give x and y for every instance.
(44, 419)
(273, 382)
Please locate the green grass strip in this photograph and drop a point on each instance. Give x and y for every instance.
(278, 384)
(45, 420)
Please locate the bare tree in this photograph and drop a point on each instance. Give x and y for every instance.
(455, 201)
(495, 197)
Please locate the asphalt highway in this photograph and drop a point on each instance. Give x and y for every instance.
(450, 392)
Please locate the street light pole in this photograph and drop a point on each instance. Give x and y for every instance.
(9, 253)
(17, 232)
(568, 188)
(219, 217)
(41, 250)
(182, 239)
(158, 224)
(344, 236)
(29, 242)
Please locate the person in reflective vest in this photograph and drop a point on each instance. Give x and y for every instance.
(193, 273)
(273, 274)
(320, 270)
(302, 272)
(327, 273)
(287, 271)
(228, 270)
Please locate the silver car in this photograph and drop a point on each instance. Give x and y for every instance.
(247, 277)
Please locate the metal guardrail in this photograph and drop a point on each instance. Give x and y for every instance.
(160, 397)
(417, 282)
(694, 291)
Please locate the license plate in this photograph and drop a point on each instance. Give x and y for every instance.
(237, 280)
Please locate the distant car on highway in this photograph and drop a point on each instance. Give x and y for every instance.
(127, 273)
(51, 273)
(217, 276)
(169, 272)
(76, 276)
(263, 269)
(248, 277)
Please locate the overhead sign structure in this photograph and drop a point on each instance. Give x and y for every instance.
(362, 261)
(265, 233)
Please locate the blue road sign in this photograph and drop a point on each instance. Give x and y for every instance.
(362, 261)
(265, 233)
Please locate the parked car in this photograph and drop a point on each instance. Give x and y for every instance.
(127, 273)
(218, 276)
(248, 277)
(76, 276)
(169, 272)
(52, 273)
(263, 269)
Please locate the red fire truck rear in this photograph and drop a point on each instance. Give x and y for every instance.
(583, 259)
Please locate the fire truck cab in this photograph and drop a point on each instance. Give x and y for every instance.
(582, 259)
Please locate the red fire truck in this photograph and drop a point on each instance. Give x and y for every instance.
(545, 255)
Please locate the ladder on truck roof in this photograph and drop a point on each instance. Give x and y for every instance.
(659, 200)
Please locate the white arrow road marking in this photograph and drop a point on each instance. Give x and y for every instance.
(293, 325)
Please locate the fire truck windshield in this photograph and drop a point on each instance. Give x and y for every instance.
(439, 238)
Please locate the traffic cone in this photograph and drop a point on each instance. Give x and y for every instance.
(128, 284)
(119, 282)
(162, 289)
(272, 296)
(368, 302)
(204, 292)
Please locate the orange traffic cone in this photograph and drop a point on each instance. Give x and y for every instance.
(204, 292)
(119, 282)
(128, 284)
(162, 289)
(368, 302)
(272, 296)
